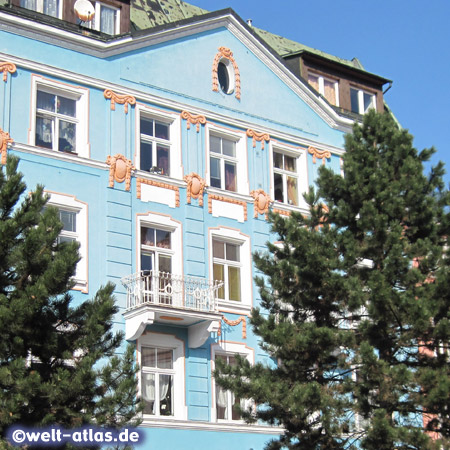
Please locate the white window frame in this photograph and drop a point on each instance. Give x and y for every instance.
(94, 23)
(242, 186)
(162, 222)
(361, 93)
(81, 95)
(70, 203)
(225, 348)
(235, 237)
(167, 341)
(321, 81)
(300, 154)
(174, 142)
(40, 8)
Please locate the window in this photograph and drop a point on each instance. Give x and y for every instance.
(225, 75)
(285, 178)
(227, 268)
(327, 87)
(361, 101)
(154, 146)
(223, 162)
(162, 387)
(73, 215)
(227, 404)
(230, 257)
(49, 7)
(60, 119)
(106, 19)
(157, 380)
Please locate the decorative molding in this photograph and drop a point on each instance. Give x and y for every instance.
(159, 184)
(262, 202)
(260, 137)
(6, 67)
(195, 187)
(195, 119)
(118, 98)
(220, 198)
(282, 212)
(120, 170)
(233, 323)
(5, 139)
(321, 154)
(226, 53)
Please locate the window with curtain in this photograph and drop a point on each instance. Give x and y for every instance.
(48, 7)
(328, 87)
(157, 380)
(227, 404)
(154, 146)
(285, 178)
(227, 268)
(223, 163)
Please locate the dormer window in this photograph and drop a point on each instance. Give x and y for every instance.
(49, 7)
(361, 101)
(327, 87)
(106, 19)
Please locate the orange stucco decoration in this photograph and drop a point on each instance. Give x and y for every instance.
(118, 98)
(120, 170)
(5, 139)
(195, 187)
(194, 119)
(6, 67)
(226, 53)
(260, 137)
(262, 202)
(233, 323)
(321, 154)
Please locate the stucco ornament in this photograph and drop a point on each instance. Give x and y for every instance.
(120, 170)
(226, 53)
(260, 137)
(194, 119)
(321, 154)
(124, 99)
(195, 187)
(233, 323)
(5, 139)
(262, 202)
(6, 67)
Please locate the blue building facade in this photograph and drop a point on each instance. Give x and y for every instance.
(164, 150)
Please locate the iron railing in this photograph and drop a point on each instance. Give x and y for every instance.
(165, 289)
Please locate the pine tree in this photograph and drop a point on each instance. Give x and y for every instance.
(57, 361)
(355, 305)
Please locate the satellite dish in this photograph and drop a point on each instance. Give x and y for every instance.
(84, 10)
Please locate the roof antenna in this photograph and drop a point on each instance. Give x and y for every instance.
(249, 22)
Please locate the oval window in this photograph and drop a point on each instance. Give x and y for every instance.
(223, 75)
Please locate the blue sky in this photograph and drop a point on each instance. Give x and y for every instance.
(407, 41)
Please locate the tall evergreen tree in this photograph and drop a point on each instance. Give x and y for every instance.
(57, 361)
(355, 305)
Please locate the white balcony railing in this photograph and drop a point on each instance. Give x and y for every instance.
(165, 289)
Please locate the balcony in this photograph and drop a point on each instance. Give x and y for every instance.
(165, 298)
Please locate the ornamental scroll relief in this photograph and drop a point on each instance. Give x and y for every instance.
(233, 323)
(194, 119)
(6, 67)
(120, 170)
(321, 154)
(226, 53)
(195, 187)
(5, 139)
(118, 98)
(260, 137)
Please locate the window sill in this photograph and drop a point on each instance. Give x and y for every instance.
(234, 307)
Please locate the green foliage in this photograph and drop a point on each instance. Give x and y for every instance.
(57, 361)
(355, 305)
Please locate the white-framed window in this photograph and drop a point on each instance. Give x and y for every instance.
(106, 19)
(290, 179)
(227, 162)
(161, 358)
(50, 7)
(230, 257)
(158, 136)
(226, 76)
(328, 87)
(74, 217)
(60, 114)
(225, 403)
(361, 101)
